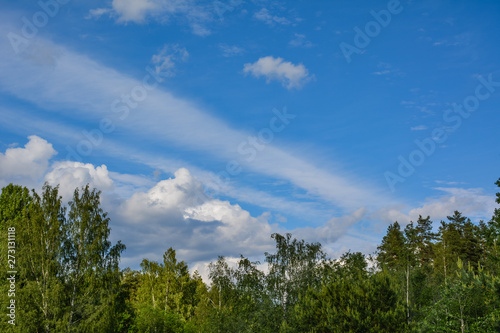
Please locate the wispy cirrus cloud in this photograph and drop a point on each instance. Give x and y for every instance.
(419, 128)
(164, 164)
(265, 16)
(300, 40)
(166, 59)
(231, 50)
(73, 81)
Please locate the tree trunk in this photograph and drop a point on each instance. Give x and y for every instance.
(73, 295)
(408, 293)
(153, 296)
(444, 260)
(462, 326)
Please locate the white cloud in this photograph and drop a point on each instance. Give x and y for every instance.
(332, 230)
(470, 202)
(176, 212)
(150, 217)
(448, 182)
(70, 175)
(196, 15)
(125, 185)
(133, 10)
(26, 165)
(232, 189)
(166, 59)
(180, 193)
(353, 242)
(290, 75)
(391, 214)
(265, 16)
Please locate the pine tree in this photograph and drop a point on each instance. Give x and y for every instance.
(353, 300)
(425, 240)
(391, 253)
(490, 236)
(457, 238)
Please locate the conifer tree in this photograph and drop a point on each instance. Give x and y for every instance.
(391, 251)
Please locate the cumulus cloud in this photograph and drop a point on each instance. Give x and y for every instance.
(176, 212)
(197, 15)
(26, 165)
(149, 216)
(171, 195)
(133, 10)
(70, 175)
(276, 69)
(236, 223)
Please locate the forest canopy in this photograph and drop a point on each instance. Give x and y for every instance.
(424, 277)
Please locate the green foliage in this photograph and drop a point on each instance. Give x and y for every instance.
(67, 269)
(468, 303)
(292, 269)
(69, 279)
(391, 252)
(353, 300)
(90, 264)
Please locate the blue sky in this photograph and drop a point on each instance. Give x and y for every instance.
(210, 125)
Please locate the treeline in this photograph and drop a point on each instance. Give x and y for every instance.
(422, 279)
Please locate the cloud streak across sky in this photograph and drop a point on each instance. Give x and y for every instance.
(67, 80)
